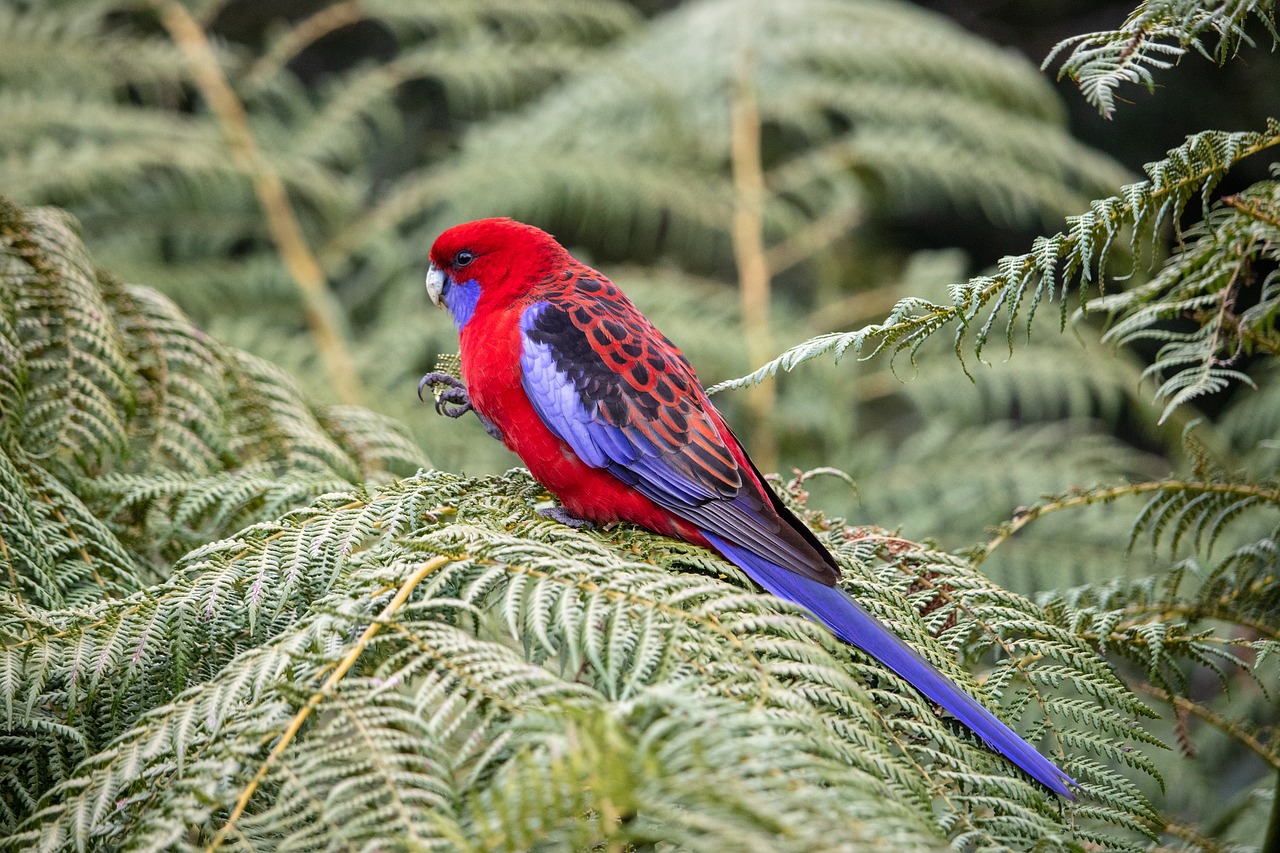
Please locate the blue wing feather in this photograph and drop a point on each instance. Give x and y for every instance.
(627, 454)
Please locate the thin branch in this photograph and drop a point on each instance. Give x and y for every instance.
(1141, 614)
(818, 235)
(1085, 498)
(344, 665)
(301, 36)
(1237, 733)
(319, 307)
(1252, 209)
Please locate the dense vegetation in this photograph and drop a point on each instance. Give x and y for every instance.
(242, 610)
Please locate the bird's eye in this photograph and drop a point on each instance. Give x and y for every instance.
(463, 258)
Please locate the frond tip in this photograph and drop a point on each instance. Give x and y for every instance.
(1155, 36)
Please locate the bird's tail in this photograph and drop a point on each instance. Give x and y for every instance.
(853, 624)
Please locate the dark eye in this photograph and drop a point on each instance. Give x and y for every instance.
(463, 258)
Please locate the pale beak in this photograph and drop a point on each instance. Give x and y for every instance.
(436, 283)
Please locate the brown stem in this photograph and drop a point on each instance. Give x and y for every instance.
(344, 666)
(304, 34)
(1026, 516)
(321, 312)
(749, 251)
(819, 234)
(1222, 724)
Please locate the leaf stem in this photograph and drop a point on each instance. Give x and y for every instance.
(321, 311)
(344, 665)
(1084, 498)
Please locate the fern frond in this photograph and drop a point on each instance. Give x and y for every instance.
(129, 437)
(87, 61)
(529, 626)
(1238, 243)
(78, 379)
(1075, 257)
(858, 105)
(1155, 37)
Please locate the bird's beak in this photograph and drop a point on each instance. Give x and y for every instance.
(436, 283)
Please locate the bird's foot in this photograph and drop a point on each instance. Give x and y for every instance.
(452, 401)
(562, 515)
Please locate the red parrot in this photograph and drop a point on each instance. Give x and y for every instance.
(607, 414)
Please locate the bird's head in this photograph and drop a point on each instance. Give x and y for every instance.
(499, 260)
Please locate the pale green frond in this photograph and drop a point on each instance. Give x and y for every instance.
(129, 437)
(1069, 260)
(1154, 37)
(869, 96)
(87, 60)
(78, 379)
(525, 616)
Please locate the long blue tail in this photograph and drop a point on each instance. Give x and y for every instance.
(851, 623)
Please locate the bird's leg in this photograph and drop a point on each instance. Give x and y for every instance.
(562, 515)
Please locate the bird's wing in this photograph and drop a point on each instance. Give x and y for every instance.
(613, 388)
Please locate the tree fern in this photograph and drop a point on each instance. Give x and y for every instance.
(600, 631)
(129, 437)
(398, 664)
(863, 102)
(224, 625)
(870, 108)
(72, 139)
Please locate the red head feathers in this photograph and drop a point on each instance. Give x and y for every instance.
(502, 255)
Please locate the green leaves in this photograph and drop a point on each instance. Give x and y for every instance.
(1155, 37)
(1074, 258)
(667, 701)
(538, 686)
(128, 437)
(1227, 261)
(206, 633)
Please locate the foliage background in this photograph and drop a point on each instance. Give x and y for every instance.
(861, 153)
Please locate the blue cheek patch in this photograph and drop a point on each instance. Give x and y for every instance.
(461, 301)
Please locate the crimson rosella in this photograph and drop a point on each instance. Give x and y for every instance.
(608, 415)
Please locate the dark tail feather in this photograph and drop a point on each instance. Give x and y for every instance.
(851, 623)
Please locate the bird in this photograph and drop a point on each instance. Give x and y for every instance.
(609, 416)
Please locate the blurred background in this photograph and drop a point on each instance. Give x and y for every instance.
(280, 168)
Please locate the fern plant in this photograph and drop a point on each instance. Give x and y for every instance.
(130, 437)
(170, 188)
(562, 113)
(485, 678)
(1155, 37)
(431, 663)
